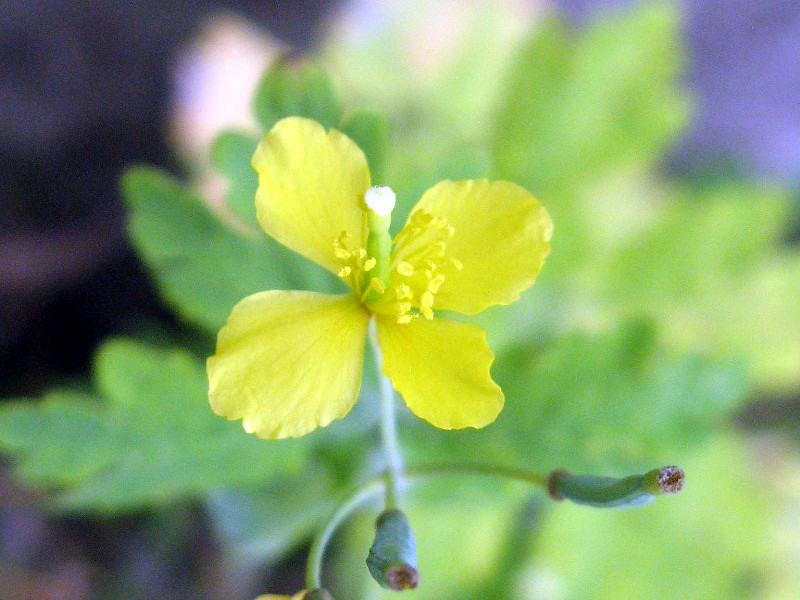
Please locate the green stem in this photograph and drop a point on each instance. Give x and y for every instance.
(599, 491)
(522, 475)
(374, 487)
(369, 491)
(391, 446)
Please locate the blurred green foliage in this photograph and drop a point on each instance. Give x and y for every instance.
(612, 402)
(145, 436)
(664, 305)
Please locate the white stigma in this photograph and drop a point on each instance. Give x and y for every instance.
(380, 200)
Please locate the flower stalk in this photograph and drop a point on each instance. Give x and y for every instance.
(602, 492)
(367, 492)
(388, 425)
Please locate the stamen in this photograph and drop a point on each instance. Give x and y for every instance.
(435, 283)
(370, 263)
(406, 269)
(426, 305)
(422, 252)
(377, 285)
(344, 272)
(404, 292)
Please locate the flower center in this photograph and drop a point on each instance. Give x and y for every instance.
(374, 259)
(416, 270)
(419, 264)
(355, 265)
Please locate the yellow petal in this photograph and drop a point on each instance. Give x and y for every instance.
(288, 362)
(500, 238)
(311, 186)
(441, 369)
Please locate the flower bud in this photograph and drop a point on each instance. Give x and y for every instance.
(392, 560)
(613, 492)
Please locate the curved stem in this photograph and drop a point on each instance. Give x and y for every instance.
(372, 489)
(479, 469)
(598, 491)
(391, 446)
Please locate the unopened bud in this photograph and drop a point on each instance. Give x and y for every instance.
(392, 560)
(613, 492)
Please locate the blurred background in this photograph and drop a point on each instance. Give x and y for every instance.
(663, 138)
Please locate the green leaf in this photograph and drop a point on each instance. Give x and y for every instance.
(575, 108)
(371, 133)
(579, 110)
(714, 270)
(590, 403)
(231, 152)
(303, 90)
(147, 437)
(202, 265)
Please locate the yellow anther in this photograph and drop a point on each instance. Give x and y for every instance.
(435, 283)
(362, 253)
(423, 218)
(449, 231)
(404, 292)
(344, 272)
(370, 263)
(403, 319)
(377, 285)
(405, 269)
(426, 305)
(457, 263)
(404, 307)
(340, 252)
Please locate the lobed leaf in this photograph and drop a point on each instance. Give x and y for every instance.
(202, 265)
(147, 437)
(592, 403)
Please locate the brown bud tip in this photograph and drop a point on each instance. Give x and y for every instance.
(670, 479)
(552, 479)
(401, 577)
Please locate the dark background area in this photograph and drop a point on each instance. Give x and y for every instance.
(84, 92)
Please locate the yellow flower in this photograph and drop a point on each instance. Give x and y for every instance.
(290, 361)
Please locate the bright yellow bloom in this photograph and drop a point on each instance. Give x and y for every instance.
(290, 361)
